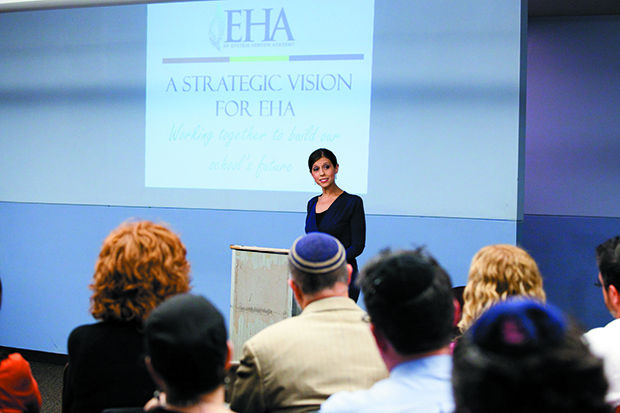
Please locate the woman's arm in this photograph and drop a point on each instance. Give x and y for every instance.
(358, 229)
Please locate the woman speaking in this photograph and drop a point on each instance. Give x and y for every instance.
(336, 212)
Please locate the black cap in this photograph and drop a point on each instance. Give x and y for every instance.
(187, 343)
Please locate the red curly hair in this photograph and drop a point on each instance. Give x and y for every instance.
(139, 266)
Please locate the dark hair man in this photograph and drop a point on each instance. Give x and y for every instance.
(295, 364)
(409, 299)
(522, 356)
(605, 341)
(187, 355)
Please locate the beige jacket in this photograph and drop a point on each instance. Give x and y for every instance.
(297, 363)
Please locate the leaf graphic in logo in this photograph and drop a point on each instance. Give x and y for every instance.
(217, 28)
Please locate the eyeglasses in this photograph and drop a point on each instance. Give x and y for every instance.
(598, 284)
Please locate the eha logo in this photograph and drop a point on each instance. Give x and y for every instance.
(250, 25)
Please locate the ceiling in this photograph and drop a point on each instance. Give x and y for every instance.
(536, 8)
(539, 8)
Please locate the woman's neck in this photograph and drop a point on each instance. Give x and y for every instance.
(332, 191)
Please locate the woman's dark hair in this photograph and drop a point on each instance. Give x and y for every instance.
(523, 356)
(322, 153)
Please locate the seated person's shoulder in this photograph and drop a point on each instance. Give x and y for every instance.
(345, 401)
(594, 333)
(609, 332)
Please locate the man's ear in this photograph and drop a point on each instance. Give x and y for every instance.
(296, 292)
(458, 313)
(614, 296)
(156, 377)
(380, 339)
(293, 286)
(350, 272)
(229, 354)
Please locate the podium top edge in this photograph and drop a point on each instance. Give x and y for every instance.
(282, 251)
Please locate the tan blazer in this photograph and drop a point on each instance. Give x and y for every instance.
(297, 363)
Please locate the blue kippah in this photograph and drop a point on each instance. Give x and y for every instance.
(519, 323)
(316, 253)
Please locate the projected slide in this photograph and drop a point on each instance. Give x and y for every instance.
(238, 94)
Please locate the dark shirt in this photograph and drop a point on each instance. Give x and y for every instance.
(345, 220)
(106, 368)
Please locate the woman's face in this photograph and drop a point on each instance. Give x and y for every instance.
(324, 173)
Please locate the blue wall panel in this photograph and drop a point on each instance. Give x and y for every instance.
(564, 247)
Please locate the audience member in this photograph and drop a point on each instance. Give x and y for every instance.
(140, 265)
(19, 391)
(605, 341)
(496, 273)
(187, 354)
(295, 364)
(409, 299)
(520, 356)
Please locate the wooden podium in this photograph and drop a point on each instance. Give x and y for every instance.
(259, 293)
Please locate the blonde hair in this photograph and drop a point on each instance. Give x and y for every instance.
(139, 266)
(496, 273)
